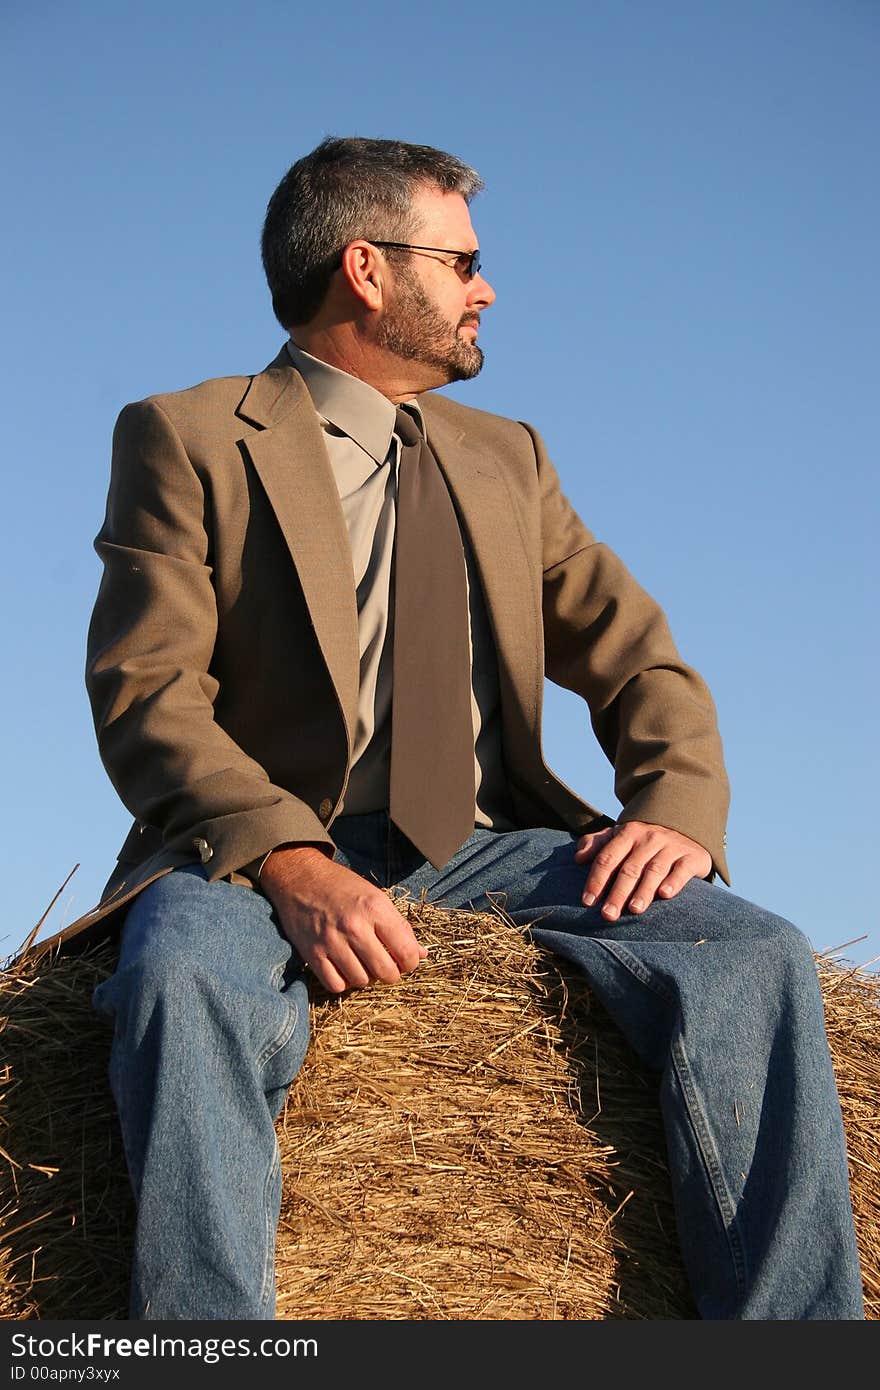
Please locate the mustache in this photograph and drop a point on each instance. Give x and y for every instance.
(469, 321)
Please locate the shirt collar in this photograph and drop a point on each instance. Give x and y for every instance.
(351, 405)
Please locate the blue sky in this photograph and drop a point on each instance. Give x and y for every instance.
(680, 221)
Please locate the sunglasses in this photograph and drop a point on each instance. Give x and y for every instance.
(467, 263)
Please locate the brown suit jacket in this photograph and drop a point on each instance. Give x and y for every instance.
(223, 652)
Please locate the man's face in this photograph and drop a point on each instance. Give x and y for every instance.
(432, 316)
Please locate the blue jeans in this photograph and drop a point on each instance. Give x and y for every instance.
(716, 995)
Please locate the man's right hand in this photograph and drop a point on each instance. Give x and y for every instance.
(346, 930)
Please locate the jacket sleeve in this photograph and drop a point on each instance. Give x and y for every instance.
(609, 642)
(148, 674)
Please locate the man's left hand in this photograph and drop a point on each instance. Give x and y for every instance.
(634, 863)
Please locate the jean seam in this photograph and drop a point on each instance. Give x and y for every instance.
(637, 968)
(726, 1209)
(683, 1072)
(267, 1287)
(275, 1044)
(271, 1050)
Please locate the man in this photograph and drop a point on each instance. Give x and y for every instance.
(316, 661)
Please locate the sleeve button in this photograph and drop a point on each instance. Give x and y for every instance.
(204, 849)
(325, 809)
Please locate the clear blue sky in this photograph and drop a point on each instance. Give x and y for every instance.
(681, 224)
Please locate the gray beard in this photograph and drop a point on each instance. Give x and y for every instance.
(414, 330)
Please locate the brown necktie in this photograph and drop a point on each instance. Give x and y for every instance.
(432, 732)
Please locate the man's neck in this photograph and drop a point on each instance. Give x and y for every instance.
(343, 348)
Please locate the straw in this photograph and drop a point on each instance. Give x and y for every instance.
(474, 1142)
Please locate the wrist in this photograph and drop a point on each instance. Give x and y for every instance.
(255, 868)
(281, 863)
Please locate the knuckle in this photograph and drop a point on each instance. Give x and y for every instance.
(359, 926)
(367, 903)
(605, 858)
(658, 868)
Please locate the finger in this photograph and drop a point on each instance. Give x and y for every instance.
(325, 950)
(681, 874)
(605, 864)
(589, 845)
(403, 948)
(645, 890)
(362, 946)
(327, 974)
(625, 880)
(393, 926)
(312, 951)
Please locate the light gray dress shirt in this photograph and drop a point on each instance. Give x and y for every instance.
(364, 452)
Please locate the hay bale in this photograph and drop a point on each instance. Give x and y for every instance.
(476, 1141)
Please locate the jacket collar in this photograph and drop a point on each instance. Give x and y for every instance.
(272, 393)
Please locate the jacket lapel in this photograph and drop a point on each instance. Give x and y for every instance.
(291, 461)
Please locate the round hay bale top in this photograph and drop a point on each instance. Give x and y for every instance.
(476, 1141)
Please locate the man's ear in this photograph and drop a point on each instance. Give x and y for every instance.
(366, 274)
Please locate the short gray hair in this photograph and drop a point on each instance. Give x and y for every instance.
(345, 189)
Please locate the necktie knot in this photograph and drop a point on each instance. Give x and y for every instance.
(406, 428)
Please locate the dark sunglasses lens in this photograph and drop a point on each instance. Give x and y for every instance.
(474, 266)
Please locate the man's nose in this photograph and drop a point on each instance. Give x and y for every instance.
(481, 293)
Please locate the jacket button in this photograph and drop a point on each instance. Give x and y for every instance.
(325, 810)
(724, 839)
(204, 849)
